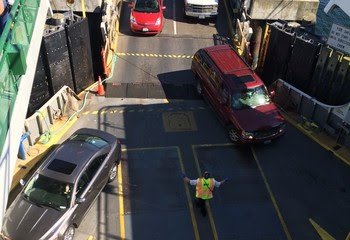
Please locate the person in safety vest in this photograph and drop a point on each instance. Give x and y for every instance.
(204, 188)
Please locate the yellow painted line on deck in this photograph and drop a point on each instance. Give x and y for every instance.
(94, 112)
(194, 222)
(147, 148)
(85, 113)
(215, 145)
(271, 196)
(211, 219)
(193, 218)
(121, 203)
(121, 111)
(310, 135)
(323, 234)
(154, 55)
(90, 238)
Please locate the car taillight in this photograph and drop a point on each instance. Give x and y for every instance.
(118, 141)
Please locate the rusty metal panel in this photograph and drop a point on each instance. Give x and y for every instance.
(56, 60)
(337, 84)
(278, 54)
(342, 87)
(301, 68)
(327, 78)
(80, 54)
(320, 65)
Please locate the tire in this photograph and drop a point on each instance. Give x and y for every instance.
(69, 233)
(232, 134)
(113, 173)
(199, 87)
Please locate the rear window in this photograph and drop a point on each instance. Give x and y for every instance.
(62, 166)
(243, 79)
(93, 140)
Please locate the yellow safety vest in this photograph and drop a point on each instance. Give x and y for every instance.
(204, 188)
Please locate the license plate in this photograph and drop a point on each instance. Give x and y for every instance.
(267, 141)
(145, 29)
(201, 17)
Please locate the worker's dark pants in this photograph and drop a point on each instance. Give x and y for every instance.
(201, 205)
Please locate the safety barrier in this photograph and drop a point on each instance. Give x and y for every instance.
(14, 44)
(333, 119)
(40, 124)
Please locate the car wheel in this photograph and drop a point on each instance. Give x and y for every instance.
(232, 134)
(69, 233)
(198, 86)
(113, 173)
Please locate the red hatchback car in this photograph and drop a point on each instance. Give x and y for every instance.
(146, 16)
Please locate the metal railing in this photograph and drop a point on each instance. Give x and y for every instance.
(14, 44)
(333, 119)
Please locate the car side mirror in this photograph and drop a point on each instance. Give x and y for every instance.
(272, 93)
(22, 182)
(164, 7)
(130, 5)
(79, 200)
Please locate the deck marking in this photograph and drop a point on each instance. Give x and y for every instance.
(323, 234)
(85, 113)
(121, 203)
(194, 222)
(212, 224)
(271, 195)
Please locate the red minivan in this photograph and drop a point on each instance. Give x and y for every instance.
(237, 94)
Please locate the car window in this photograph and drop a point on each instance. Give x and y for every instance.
(82, 183)
(224, 94)
(95, 165)
(86, 138)
(198, 58)
(49, 192)
(250, 98)
(146, 6)
(215, 79)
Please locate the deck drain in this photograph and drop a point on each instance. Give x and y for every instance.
(179, 121)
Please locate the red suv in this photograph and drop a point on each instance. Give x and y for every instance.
(237, 94)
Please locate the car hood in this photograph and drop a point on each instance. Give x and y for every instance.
(24, 220)
(202, 2)
(259, 118)
(146, 18)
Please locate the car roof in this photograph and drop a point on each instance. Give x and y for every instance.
(72, 156)
(233, 67)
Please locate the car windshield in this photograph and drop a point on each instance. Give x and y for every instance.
(45, 191)
(146, 6)
(250, 98)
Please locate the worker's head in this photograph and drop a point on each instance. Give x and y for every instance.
(206, 175)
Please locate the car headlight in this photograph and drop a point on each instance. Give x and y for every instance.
(247, 135)
(158, 22)
(282, 127)
(132, 19)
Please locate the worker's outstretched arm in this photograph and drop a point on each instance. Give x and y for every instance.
(225, 180)
(186, 179)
